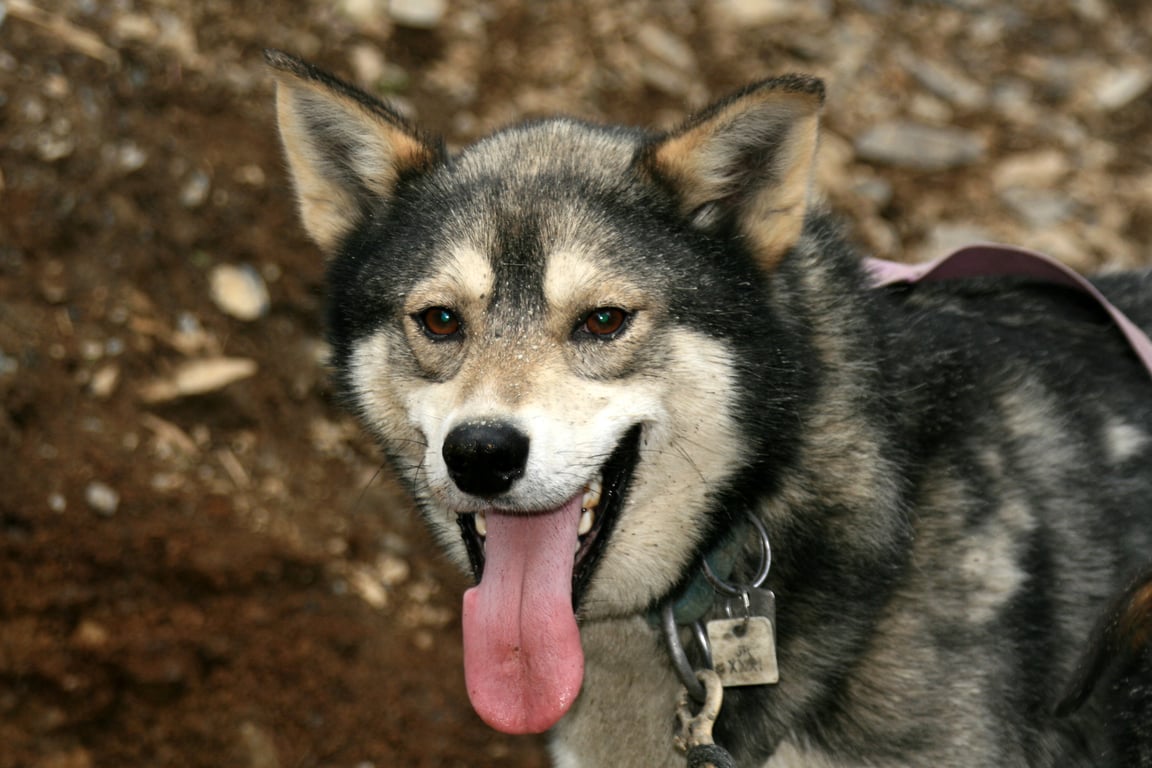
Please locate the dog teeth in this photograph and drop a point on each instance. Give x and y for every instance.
(588, 506)
(592, 493)
(587, 518)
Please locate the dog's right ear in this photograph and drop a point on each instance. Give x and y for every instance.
(345, 149)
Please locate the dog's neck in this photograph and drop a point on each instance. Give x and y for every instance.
(826, 576)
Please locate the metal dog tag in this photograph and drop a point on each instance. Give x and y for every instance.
(744, 643)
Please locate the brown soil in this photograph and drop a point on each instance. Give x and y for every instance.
(254, 592)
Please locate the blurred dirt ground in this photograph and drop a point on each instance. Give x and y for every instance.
(200, 561)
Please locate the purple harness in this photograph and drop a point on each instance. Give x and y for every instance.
(977, 260)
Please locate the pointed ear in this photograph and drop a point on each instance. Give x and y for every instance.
(345, 149)
(748, 161)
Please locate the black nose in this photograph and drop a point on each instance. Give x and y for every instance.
(485, 458)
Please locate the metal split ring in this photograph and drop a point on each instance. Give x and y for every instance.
(734, 590)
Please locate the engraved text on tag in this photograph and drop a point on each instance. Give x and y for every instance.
(743, 651)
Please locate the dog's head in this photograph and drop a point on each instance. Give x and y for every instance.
(552, 334)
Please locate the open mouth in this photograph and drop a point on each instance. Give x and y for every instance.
(599, 510)
(523, 659)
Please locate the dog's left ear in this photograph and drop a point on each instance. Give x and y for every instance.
(345, 149)
(748, 161)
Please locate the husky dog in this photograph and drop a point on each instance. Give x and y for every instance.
(589, 352)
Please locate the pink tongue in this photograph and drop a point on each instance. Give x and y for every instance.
(523, 663)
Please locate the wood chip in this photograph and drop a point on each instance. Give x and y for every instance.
(172, 435)
(197, 377)
(82, 40)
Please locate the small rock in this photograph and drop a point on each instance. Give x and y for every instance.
(1031, 169)
(127, 157)
(194, 192)
(395, 543)
(104, 381)
(1098, 155)
(874, 189)
(91, 350)
(419, 14)
(1037, 208)
(370, 15)
(328, 437)
(950, 85)
(102, 498)
(392, 570)
(177, 35)
(666, 47)
(33, 110)
(57, 503)
(259, 746)
(318, 351)
(367, 585)
(56, 86)
(135, 27)
(926, 108)
(165, 482)
(918, 146)
(668, 63)
(91, 634)
(239, 291)
(1015, 99)
(666, 79)
(949, 236)
(421, 592)
(8, 364)
(51, 148)
(1119, 88)
(251, 175)
(759, 12)
(424, 615)
(1095, 11)
(368, 64)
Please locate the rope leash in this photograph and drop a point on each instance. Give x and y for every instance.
(694, 737)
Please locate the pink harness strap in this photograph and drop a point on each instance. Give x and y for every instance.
(991, 259)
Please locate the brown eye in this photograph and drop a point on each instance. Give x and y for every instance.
(604, 322)
(439, 322)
